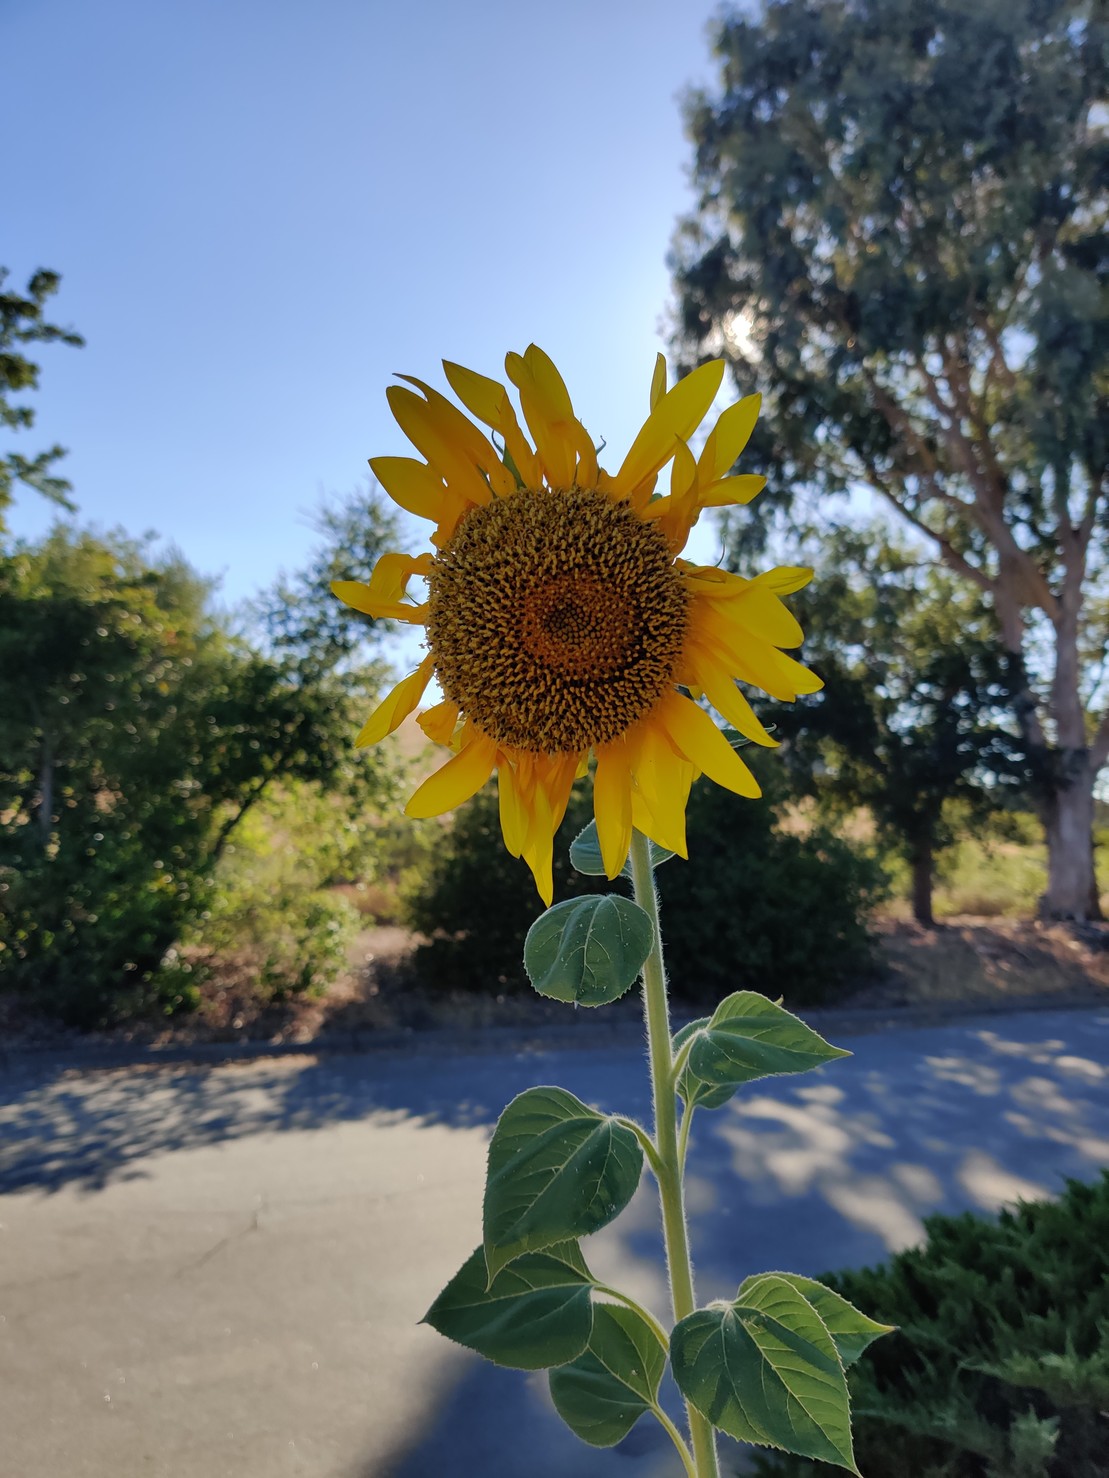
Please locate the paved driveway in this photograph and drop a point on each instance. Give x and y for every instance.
(217, 1272)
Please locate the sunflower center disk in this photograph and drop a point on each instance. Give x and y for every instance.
(556, 619)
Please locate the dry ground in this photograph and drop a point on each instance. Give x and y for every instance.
(965, 962)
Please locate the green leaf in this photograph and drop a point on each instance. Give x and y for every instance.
(534, 1314)
(585, 854)
(764, 1369)
(603, 1393)
(557, 1169)
(692, 1090)
(851, 1330)
(749, 1037)
(588, 950)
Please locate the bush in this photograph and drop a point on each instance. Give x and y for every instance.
(753, 907)
(476, 903)
(758, 908)
(1000, 1365)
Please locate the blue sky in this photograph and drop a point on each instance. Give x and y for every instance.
(263, 209)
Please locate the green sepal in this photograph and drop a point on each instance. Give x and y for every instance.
(588, 950)
(585, 854)
(747, 1037)
(765, 1369)
(603, 1393)
(557, 1169)
(851, 1330)
(534, 1314)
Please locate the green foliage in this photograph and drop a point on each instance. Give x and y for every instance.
(136, 733)
(587, 950)
(1001, 1363)
(746, 1038)
(765, 1370)
(753, 906)
(22, 321)
(901, 240)
(603, 1393)
(557, 1169)
(533, 1314)
(911, 723)
(762, 908)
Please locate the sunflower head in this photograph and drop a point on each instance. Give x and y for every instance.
(562, 621)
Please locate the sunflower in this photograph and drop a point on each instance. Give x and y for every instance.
(561, 621)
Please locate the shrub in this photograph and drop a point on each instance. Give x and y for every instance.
(1000, 1365)
(752, 907)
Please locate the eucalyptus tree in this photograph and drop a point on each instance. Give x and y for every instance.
(900, 238)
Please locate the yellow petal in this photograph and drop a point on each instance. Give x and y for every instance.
(440, 722)
(384, 596)
(414, 486)
(785, 579)
(661, 787)
(710, 674)
(728, 491)
(459, 779)
(488, 400)
(678, 414)
(474, 444)
(696, 736)
(728, 437)
(427, 432)
(513, 812)
(397, 706)
(612, 804)
(538, 850)
(658, 380)
(548, 412)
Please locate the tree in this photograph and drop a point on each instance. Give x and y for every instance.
(136, 733)
(901, 238)
(22, 321)
(912, 713)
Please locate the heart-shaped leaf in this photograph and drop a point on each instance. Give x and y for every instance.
(851, 1330)
(534, 1314)
(603, 1393)
(764, 1369)
(557, 1169)
(585, 854)
(749, 1037)
(588, 950)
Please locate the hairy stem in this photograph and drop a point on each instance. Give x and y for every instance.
(657, 1014)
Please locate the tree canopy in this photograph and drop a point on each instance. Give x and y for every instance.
(901, 239)
(23, 321)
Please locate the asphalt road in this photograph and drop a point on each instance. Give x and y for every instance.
(217, 1272)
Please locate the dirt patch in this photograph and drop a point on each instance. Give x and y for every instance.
(962, 963)
(967, 960)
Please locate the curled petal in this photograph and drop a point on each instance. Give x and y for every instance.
(397, 706)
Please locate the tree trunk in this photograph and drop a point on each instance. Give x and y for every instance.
(923, 866)
(1068, 814)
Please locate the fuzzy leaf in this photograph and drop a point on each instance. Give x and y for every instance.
(557, 1169)
(603, 1393)
(534, 1314)
(587, 950)
(851, 1330)
(764, 1369)
(749, 1037)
